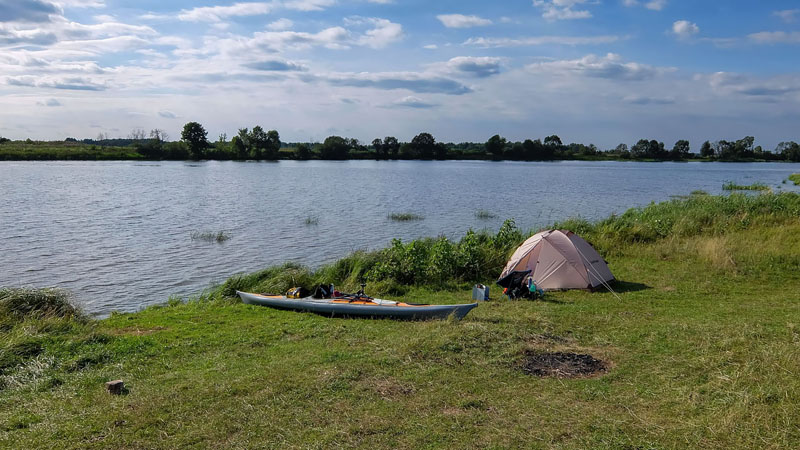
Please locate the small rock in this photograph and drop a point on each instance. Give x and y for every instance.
(115, 387)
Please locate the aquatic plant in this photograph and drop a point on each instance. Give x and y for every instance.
(795, 178)
(312, 220)
(731, 186)
(484, 214)
(404, 217)
(211, 236)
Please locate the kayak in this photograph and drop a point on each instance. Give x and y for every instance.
(359, 307)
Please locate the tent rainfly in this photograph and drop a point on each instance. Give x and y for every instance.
(560, 259)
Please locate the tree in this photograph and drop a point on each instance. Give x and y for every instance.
(706, 151)
(239, 148)
(496, 145)
(639, 150)
(622, 151)
(553, 141)
(391, 146)
(159, 135)
(258, 142)
(724, 149)
(440, 150)
(137, 134)
(680, 150)
(536, 151)
(303, 152)
(377, 144)
(273, 144)
(423, 145)
(656, 150)
(743, 148)
(335, 147)
(790, 151)
(196, 138)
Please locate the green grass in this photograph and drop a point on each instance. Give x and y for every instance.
(211, 236)
(731, 186)
(41, 150)
(795, 178)
(404, 217)
(702, 351)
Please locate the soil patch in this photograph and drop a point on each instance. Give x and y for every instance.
(562, 365)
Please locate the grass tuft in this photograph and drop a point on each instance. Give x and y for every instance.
(795, 178)
(17, 304)
(484, 214)
(731, 186)
(210, 236)
(404, 217)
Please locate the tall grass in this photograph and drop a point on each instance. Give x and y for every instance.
(795, 178)
(440, 263)
(17, 304)
(696, 215)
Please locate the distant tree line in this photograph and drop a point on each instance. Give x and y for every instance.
(259, 144)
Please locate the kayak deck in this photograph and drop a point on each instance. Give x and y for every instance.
(359, 307)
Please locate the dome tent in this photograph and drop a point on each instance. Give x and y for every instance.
(559, 259)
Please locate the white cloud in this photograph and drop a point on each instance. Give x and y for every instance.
(477, 66)
(308, 5)
(167, 114)
(218, 13)
(787, 15)
(609, 66)
(49, 102)
(647, 100)
(67, 83)
(419, 82)
(685, 29)
(276, 65)
(541, 40)
(412, 102)
(562, 9)
(280, 25)
(775, 37)
(462, 21)
(430, 46)
(655, 5)
(735, 83)
(383, 33)
(81, 3)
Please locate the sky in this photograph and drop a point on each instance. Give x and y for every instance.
(591, 71)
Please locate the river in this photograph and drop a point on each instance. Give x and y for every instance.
(119, 235)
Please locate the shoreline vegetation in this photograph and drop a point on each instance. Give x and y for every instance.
(699, 351)
(258, 144)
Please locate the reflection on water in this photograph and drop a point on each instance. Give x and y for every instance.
(119, 234)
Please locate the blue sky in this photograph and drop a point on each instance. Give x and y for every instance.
(591, 71)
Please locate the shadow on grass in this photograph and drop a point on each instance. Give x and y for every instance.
(627, 286)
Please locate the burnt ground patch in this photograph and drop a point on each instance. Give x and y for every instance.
(562, 365)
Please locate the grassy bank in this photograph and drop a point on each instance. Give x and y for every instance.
(702, 351)
(38, 150)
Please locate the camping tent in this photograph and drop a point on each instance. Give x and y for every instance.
(559, 259)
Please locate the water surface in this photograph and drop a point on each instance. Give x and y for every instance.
(119, 234)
